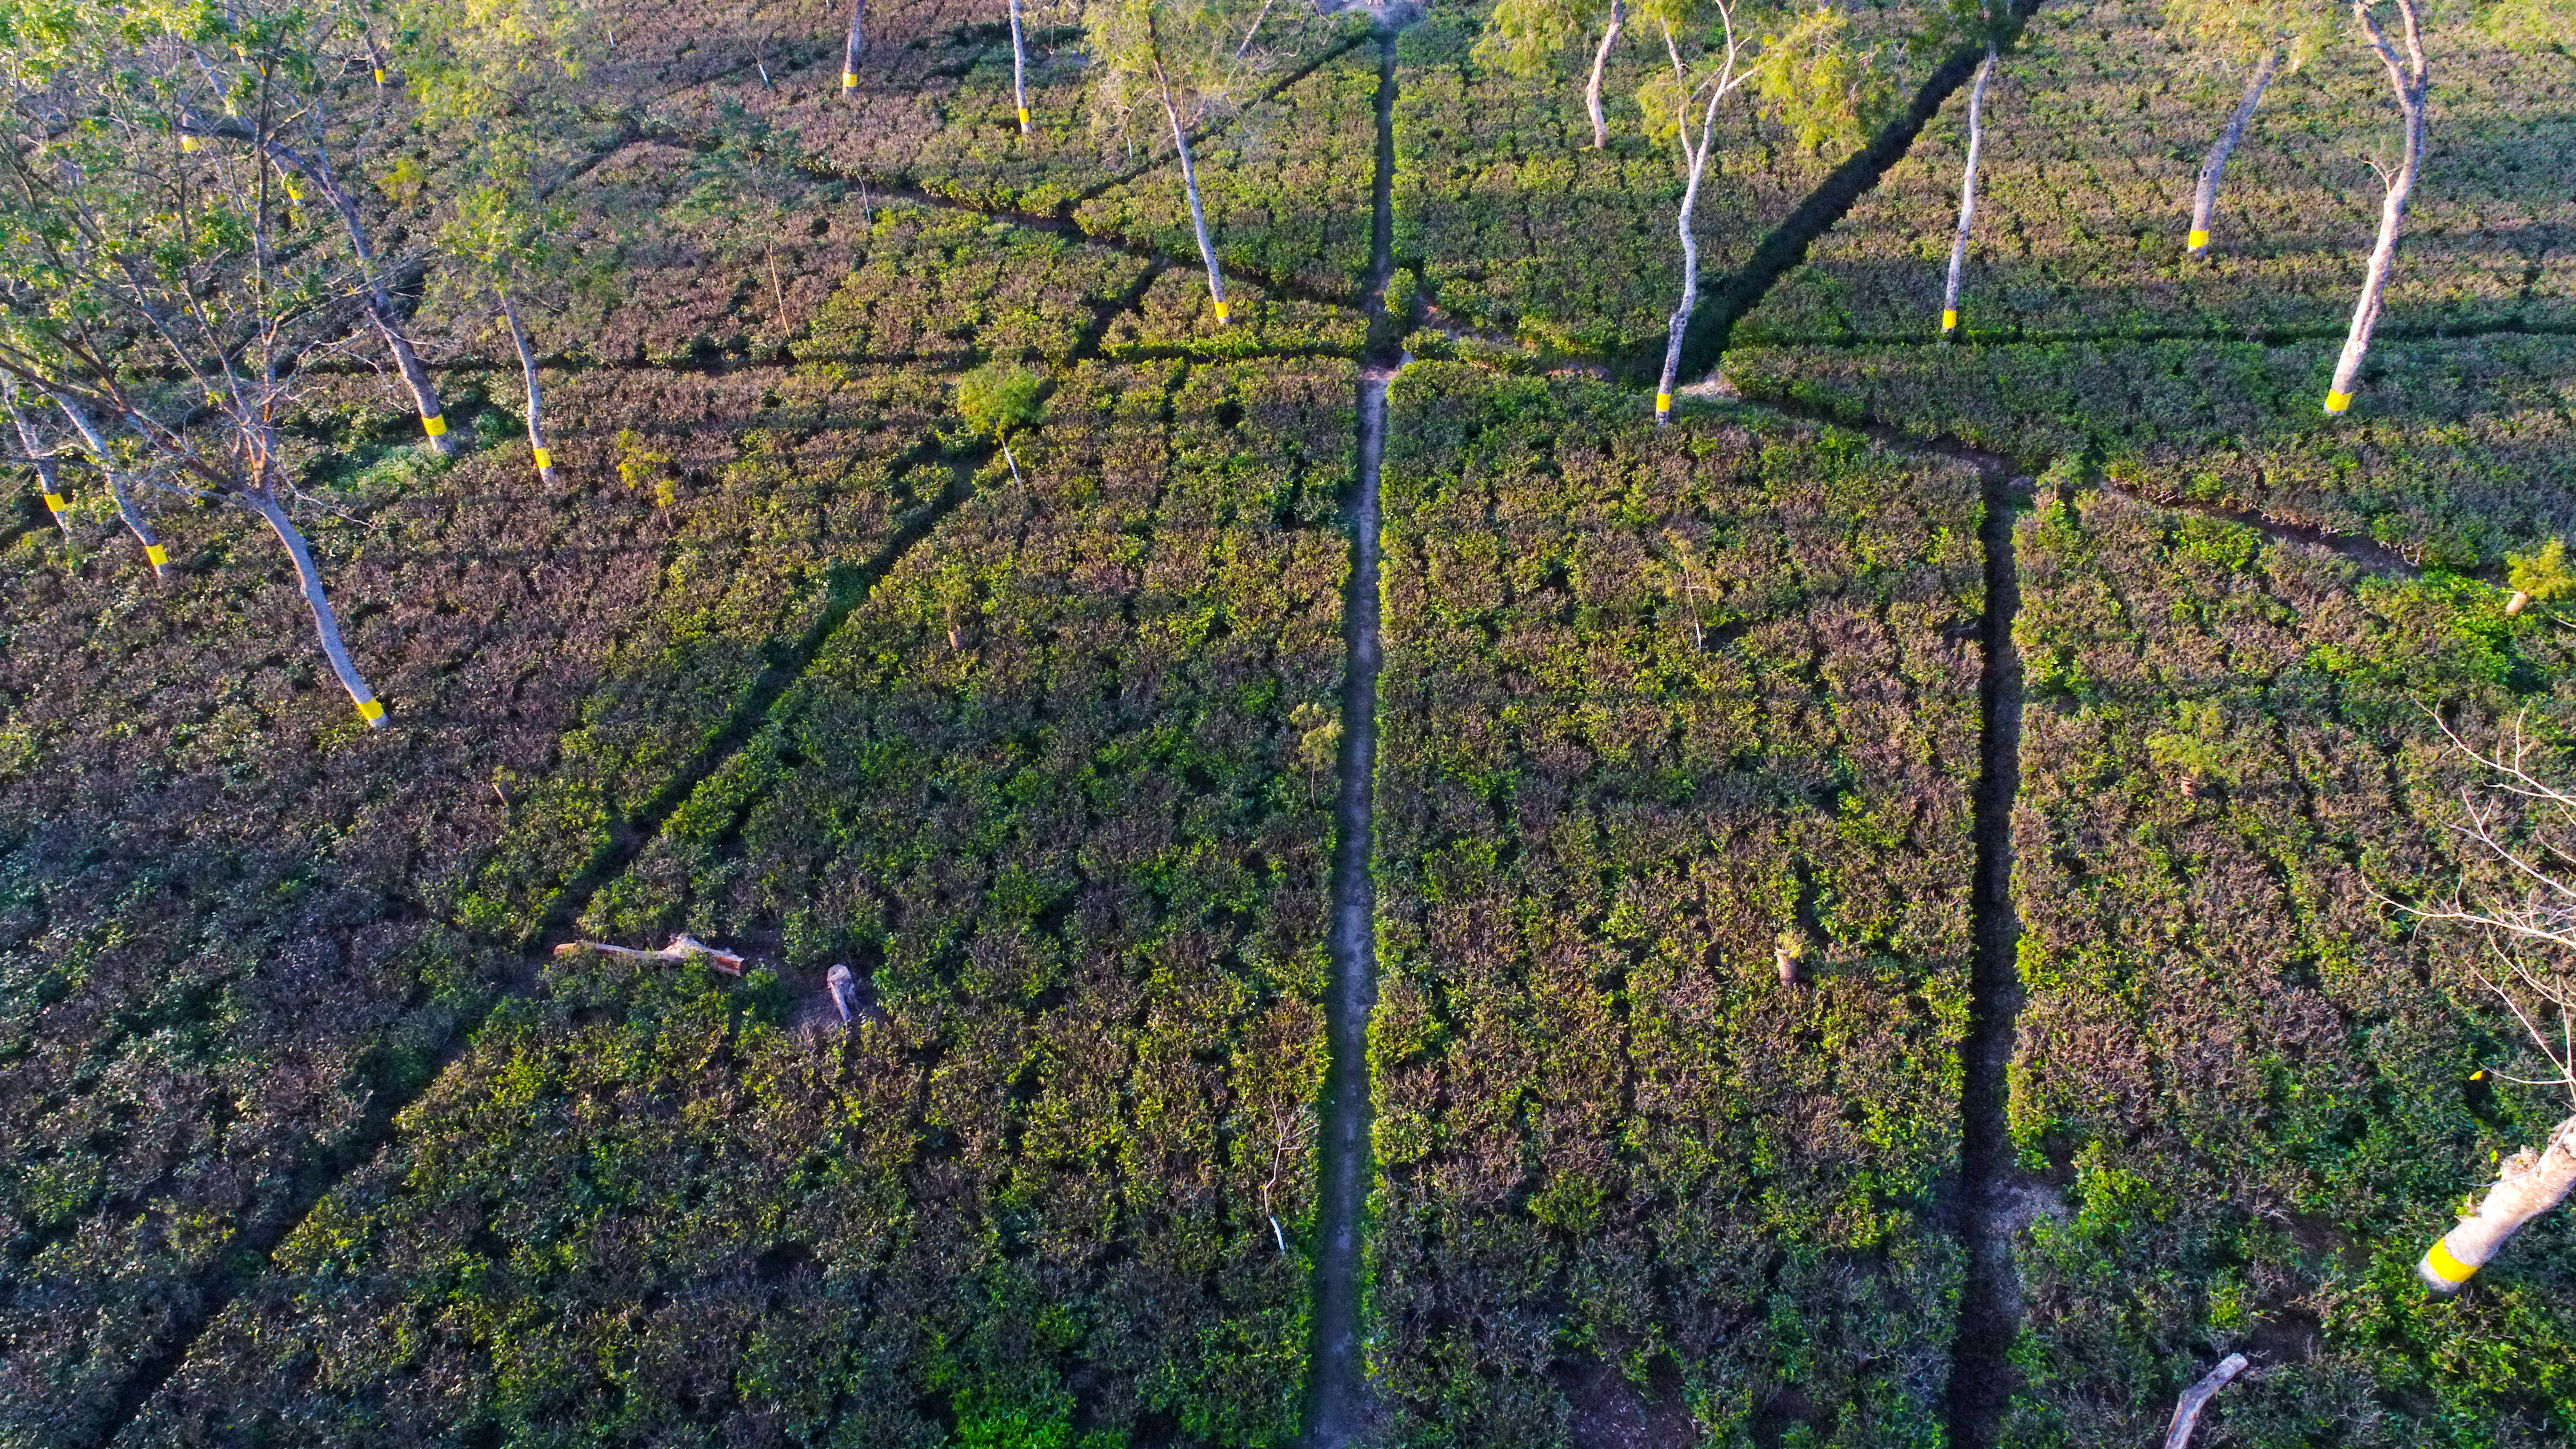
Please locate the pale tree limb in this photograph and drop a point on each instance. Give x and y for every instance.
(2204, 201)
(2530, 844)
(105, 462)
(683, 949)
(2197, 1397)
(1600, 63)
(2413, 83)
(1967, 193)
(1731, 75)
(38, 455)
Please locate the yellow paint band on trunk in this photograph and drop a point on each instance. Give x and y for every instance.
(849, 80)
(55, 502)
(187, 143)
(1024, 117)
(1949, 320)
(435, 425)
(1220, 309)
(545, 459)
(1663, 402)
(2337, 401)
(370, 710)
(380, 77)
(2196, 240)
(2445, 1267)
(155, 554)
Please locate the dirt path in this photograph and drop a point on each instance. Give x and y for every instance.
(1981, 1376)
(1338, 1399)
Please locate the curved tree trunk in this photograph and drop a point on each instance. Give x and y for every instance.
(1680, 323)
(1198, 216)
(1601, 62)
(536, 398)
(262, 500)
(1019, 70)
(850, 52)
(2205, 200)
(2531, 1184)
(380, 308)
(2411, 82)
(41, 457)
(1967, 193)
(153, 552)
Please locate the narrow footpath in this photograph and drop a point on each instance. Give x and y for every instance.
(1338, 1400)
(1981, 1376)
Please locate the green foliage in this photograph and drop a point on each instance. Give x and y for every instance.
(1001, 398)
(2542, 573)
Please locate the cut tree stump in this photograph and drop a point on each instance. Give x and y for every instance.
(843, 989)
(681, 949)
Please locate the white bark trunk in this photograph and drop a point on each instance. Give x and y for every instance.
(1019, 70)
(536, 398)
(41, 458)
(2204, 201)
(1198, 216)
(153, 552)
(262, 499)
(1967, 193)
(1601, 62)
(2412, 83)
(316, 170)
(1680, 323)
(2531, 1184)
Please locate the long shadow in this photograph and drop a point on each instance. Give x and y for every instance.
(258, 1241)
(1713, 325)
(1982, 1376)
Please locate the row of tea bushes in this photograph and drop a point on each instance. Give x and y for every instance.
(2247, 1094)
(1059, 790)
(1658, 708)
(2458, 453)
(2095, 132)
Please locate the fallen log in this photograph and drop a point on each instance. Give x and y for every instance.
(2197, 1397)
(682, 949)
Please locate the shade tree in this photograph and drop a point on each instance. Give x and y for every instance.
(503, 82)
(1524, 37)
(2394, 31)
(2266, 39)
(168, 302)
(269, 78)
(1184, 64)
(1797, 60)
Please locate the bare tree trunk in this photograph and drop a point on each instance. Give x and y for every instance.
(262, 498)
(153, 552)
(1967, 192)
(1690, 255)
(1019, 70)
(2412, 83)
(536, 399)
(850, 52)
(380, 307)
(1601, 62)
(1198, 216)
(2531, 1184)
(2205, 200)
(41, 457)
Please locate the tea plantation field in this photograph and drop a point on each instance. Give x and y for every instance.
(1386, 899)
